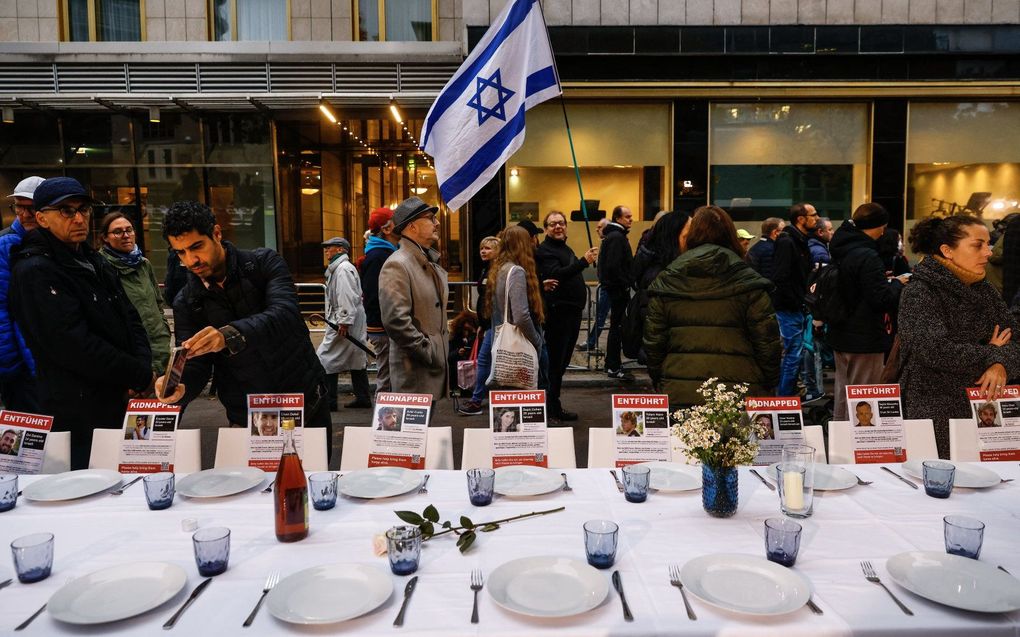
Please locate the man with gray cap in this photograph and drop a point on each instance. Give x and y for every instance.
(345, 317)
(17, 368)
(412, 300)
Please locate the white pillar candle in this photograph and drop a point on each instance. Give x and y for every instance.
(793, 490)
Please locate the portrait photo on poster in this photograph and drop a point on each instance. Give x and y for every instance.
(987, 415)
(138, 428)
(389, 419)
(506, 420)
(10, 443)
(265, 423)
(630, 424)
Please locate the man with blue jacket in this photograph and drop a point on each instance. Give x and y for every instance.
(17, 368)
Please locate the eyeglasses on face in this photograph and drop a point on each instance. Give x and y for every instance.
(69, 212)
(553, 224)
(20, 209)
(122, 232)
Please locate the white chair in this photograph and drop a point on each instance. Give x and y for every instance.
(963, 440)
(358, 440)
(478, 448)
(919, 439)
(813, 437)
(57, 458)
(232, 448)
(106, 450)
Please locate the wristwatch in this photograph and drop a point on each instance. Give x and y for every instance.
(234, 339)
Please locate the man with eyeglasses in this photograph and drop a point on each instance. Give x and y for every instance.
(17, 367)
(91, 351)
(412, 301)
(556, 260)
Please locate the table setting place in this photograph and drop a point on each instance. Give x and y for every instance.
(804, 547)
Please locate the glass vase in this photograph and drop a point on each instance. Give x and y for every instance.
(719, 490)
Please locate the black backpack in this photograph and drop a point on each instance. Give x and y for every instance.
(823, 298)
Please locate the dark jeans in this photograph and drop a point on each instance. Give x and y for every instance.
(601, 312)
(617, 308)
(19, 393)
(561, 331)
(791, 328)
(359, 385)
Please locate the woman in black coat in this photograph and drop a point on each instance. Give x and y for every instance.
(954, 328)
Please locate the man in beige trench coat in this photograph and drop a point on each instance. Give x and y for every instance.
(412, 300)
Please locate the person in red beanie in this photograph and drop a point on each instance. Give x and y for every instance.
(380, 245)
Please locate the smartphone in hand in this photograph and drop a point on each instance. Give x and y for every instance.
(174, 370)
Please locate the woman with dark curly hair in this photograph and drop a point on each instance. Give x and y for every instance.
(955, 330)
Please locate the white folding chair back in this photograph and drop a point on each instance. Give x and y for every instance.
(106, 450)
(601, 448)
(963, 440)
(57, 458)
(232, 448)
(358, 441)
(813, 437)
(478, 448)
(919, 439)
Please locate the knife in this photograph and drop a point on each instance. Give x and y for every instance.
(814, 607)
(618, 585)
(6, 583)
(763, 480)
(191, 598)
(399, 621)
(619, 485)
(887, 469)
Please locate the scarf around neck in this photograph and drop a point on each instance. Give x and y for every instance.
(967, 277)
(132, 259)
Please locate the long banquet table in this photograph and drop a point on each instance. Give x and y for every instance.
(866, 522)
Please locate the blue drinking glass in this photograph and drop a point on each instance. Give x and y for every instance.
(964, 536)
(600, 538)
(33, 557)
(159, 490)
(403, 546)
(938, 478)
(8, 491)
(322, 487)
(480, 484)
(635, 482)
(212, 550)
(782, 540)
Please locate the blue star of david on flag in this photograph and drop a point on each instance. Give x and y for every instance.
(503, 96)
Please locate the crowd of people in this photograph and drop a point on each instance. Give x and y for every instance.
(83, 330)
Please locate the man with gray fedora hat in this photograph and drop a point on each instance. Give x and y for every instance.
(345, 317)
(412, 300)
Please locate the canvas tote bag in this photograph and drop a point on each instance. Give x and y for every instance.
(514, 359)
(467, 371)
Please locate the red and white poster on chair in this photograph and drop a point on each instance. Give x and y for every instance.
(876, 423)
(998, 423)
(641, 427)
(400, 428)
(518, 425)
(150, 437)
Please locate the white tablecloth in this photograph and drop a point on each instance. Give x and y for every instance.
(871, 522)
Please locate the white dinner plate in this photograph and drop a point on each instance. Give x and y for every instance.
(329, 594)
(72, 485)
(673, 476)
(955, 581)
(827, 477)
(745, 584)
(547, 586)
(378, 482)
(117, 592)
(524, 480)
(217, 483)
(968, 476)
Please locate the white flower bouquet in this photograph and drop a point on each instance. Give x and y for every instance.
(718, 432)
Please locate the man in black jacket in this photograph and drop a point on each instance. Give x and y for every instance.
(564, 304)
(91, 351)
(381, 244)
(791, 266)
(762, 253)
(238, 316)
(614, 277)
(862, 337)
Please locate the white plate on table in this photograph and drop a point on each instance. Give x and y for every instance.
(955, 581)
(547, 586)
(116, 593)
(525, 480)
(72, 485)
(329, 594)
(968, 476)
(378, 482)
(827, 477)
(217, 483)
(673, 476)
(745, 584)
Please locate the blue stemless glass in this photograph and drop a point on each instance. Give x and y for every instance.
(964, 536)
(322, 487)
(938, 478)
(33, 557)
(600, 537)
(403, 546)
(782, 540)
(159, 490)
(8, 491)
(635, 482)
(212, 550)
(480, 484)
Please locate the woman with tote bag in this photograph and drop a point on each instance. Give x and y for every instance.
(514, 300)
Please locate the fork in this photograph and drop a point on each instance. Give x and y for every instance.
(566, 485)
(476, 585)
(863, 483)
(869, 574)
(423, 489)
(271, 581)
(674, 579)
(269, 487)
(120, 490)
(619, 485)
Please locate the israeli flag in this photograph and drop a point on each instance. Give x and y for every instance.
(477, 121)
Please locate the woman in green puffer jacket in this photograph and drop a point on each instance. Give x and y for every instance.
(709, 315)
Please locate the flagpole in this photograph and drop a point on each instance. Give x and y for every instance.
(570, 138)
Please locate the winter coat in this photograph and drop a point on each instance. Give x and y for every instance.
(343, 307)
(791, 267)
(377, 250)
(259, 300)
(709, 315)
(15, 357)
(820, 253)
(176, 278)
(89, 344)
(761, 257)
(870, 299)
(142, 290)
(555, 260)
(944, 329)
(615, 257)
(484, 321)
(519, 313)
(412, 299)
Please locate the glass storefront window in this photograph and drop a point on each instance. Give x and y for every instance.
(766, 157)
(97, 139)
(262, 20)
(103, 20)
(396, 20)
